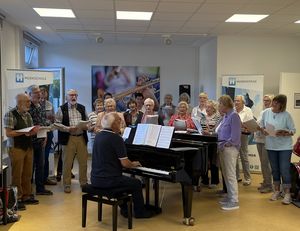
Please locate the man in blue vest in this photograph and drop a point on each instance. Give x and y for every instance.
(73, 138)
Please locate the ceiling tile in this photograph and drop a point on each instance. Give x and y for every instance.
(219, 8)
(135, 6)
(106, 14)
(65, 26)
(58, 21)
(63, 4)
(171, 16)
(92, 4)
(204, 17)
(259, 9)
(98, 21)
(229, 28)
(73, 36)
(132, 23)
(178, 7)
(99, 27)
(131, 28)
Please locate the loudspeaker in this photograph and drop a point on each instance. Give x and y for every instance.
(185, 88)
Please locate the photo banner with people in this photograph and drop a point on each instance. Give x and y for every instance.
(251, 87)
(124, 81)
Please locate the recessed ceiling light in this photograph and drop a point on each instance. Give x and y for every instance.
(250, 18)
(38, 27)
(51, 12)
(297, 21)
(134, 15)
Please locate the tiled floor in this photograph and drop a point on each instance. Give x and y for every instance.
(63, 212)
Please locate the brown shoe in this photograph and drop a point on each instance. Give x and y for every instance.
(67, 189)
(50, 182)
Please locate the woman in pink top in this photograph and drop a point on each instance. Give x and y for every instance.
(182, 114)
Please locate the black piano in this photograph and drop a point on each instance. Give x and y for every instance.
(184, 161)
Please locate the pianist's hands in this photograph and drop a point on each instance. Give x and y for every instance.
(136, 164)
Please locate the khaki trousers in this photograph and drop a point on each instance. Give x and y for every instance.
(76, 146)
(22, 164)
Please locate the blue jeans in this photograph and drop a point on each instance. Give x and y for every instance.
(47, 151)
(38, 165)
(280, 165)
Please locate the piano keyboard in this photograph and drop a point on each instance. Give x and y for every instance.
(152, 170)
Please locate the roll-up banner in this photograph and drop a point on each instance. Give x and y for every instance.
(251, 87)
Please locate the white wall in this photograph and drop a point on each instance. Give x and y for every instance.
(268, 56)
(178, 64)
(11, 54)
(208, 68)
(289, 85)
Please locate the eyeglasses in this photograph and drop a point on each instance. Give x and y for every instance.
(71, 95)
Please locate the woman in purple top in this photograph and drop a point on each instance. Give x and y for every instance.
(229, 137)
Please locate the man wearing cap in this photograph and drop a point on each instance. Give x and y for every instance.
(72, 138)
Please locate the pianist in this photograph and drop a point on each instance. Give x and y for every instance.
(109, 156)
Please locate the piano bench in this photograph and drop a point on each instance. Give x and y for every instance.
(106, 196)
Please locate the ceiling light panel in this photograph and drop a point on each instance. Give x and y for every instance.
(134, 15)
(52, 12)
(246, 18)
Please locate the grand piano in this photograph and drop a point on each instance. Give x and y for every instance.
(183, 163)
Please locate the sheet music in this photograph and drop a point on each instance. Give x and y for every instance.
(25, 129)
(180, 124)
(147, 134)
(42, 133)
(251, 125)
(151, 119)
(126, 133)
(140, 134)
(270, 129)
(197, 124)
(165, 137)
(82, 124)
(61, 127)
(152, 134)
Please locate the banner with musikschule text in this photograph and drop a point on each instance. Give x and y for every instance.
(251, 87)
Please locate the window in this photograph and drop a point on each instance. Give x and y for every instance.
(31, 50)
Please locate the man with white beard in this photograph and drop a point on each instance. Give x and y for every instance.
(73, 139)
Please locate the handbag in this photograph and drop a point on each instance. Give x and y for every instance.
(296, 148)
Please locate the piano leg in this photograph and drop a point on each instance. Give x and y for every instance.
(156, 192)
(147, 183)
(187, 197)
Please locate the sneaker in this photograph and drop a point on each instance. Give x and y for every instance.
(145, 214)
(197, 188)
(67, 189)
(247, 182)
(50, 182)
(230, 206)
(223, 201)
(275, 196)
(287, 199)
(265, 189)
(21, 206)
(212, 186)
(44, 192)
(30, 201)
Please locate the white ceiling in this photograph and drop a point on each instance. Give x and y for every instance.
(187, 21)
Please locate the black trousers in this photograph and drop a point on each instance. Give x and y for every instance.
(128, 184)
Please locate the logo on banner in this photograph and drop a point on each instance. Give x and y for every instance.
(19, 78)
(232, 82)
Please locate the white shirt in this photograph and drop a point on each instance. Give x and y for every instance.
(245, 114)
